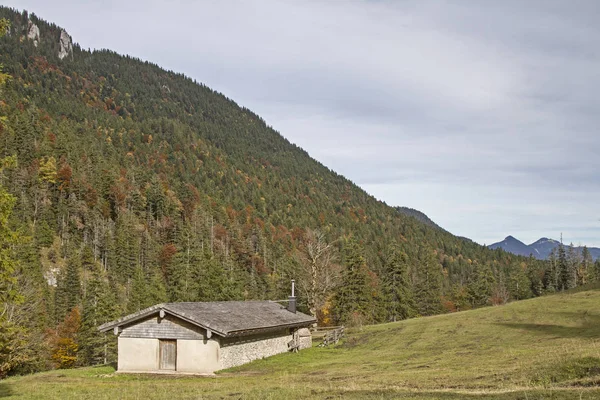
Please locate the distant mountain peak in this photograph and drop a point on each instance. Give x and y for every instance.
(544, 240)
(512, 245)
(540, 249)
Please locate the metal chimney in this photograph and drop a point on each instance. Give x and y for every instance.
(292, 299)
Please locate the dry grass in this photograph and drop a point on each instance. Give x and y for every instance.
(545, 348)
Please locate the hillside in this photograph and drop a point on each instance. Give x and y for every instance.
(124, 185)
(534, 349)
(411, 212)
(540, 249)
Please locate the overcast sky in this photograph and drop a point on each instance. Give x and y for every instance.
(485, 115)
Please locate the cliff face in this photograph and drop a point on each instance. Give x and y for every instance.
(65, 42)
(33, 33)
(66, 45)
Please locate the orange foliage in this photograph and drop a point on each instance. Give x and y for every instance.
(63, 340)
(220, 232)
(64, 175)
(166, 253)
(448, 305)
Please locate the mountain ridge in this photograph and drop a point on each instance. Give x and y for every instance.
(540, 249)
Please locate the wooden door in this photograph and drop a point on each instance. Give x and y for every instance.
(168, 354)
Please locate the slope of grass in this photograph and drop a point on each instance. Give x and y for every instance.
(544, 348)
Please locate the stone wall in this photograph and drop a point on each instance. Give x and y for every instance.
(238, 351)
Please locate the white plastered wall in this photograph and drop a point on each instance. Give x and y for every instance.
(198, 356)
(138, 355)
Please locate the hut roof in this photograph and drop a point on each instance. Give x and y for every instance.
(225, 318)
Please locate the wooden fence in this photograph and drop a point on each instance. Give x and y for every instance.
(328, 335)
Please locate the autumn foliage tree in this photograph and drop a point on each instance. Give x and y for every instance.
(64, 341)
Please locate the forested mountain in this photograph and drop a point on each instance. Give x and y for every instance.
(541, 249)
(411, 212)
(123, 185)
(512, 245)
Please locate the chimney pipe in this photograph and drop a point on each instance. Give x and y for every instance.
(292, 299)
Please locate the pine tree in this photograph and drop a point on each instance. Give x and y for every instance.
(551, 279)
(481, 286)
(574, 262)
(211, 280)
(68, 288)
(353, 301)
(126, 250)
(99, 306)
(565, 280)
(596, 273)
(428, 283)
(535, 274)
(585, 268)
(519, 284)
(139, 297)
(398, 294)
(73, 282)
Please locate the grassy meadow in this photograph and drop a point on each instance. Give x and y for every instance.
(544, 348)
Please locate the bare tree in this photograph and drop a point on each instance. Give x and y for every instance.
(320, 273)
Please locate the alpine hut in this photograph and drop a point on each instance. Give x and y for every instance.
(203, 337)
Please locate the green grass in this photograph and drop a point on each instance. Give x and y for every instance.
(544, 348)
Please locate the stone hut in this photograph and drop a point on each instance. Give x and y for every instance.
(206, 337)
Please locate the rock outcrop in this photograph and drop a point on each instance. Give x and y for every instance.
(33, 33)
(66, 45)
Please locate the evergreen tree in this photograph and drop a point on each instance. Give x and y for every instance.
(353, 300)
(573, 261)
(99, 306)
(68, 288)
(398, 294)
(139, 297)
(481, 286)
(519, 284)
(551, 279)
(428, 283)
(596, 269)
(585, 268)
(565, 275)
(73, 282)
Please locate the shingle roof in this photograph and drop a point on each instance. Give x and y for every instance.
(225, 318)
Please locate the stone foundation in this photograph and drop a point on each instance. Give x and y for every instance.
(238, 351)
